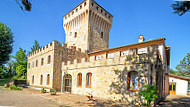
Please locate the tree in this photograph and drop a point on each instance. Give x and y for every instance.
(24, 3)
(173, 72)
(181, 7)
(184, 66)
(6, 43)
(35, 47)
(20, 63)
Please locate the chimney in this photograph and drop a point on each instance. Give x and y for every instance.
(141, 39)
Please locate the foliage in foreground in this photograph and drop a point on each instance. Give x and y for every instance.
(149, 93)
(13, 87)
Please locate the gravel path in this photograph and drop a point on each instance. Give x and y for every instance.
(24, 99)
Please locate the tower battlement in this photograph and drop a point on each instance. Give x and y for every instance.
(87, 26)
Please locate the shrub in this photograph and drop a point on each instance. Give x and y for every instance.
(13, 87)
(43, 90)
(52, 90)
(149, 93)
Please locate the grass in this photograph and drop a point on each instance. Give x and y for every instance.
(4, 81)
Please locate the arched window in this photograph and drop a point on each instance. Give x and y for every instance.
(49, 59)
(133, 81)
(79, 80)
(41, 79)
(89, 80)
(102, 35)
(33, 79)
(48, 79)
(42, 61)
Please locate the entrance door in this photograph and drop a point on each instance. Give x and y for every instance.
(67, 83)
(172, 88)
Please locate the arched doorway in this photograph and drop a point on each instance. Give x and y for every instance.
(67, 83)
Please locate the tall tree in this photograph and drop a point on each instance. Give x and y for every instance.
(20, 63)
(181, 7)
(184, 66)
(24, 4)
(6, 43)
(35, 47)
(173, 72)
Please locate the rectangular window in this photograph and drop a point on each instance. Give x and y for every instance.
(75, 34)
(42, 62)
(36, 63)
(133, 81)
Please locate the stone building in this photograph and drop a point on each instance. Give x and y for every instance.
(85, 64)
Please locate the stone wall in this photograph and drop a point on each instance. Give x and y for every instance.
(109, 75)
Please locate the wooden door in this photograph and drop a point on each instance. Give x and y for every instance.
(172, 88)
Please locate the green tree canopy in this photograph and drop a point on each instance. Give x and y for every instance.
(173, 72)
(20, 65)
(184, 66)
(6, 43)
(181, 7)
(35, 47)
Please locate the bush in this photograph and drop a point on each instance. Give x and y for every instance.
(13, 87)
(52, 90)
(43, 90)
(149, 93)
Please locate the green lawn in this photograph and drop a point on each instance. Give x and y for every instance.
(3, 81)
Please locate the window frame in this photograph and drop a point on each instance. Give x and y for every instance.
(48, 79)
(41, 79)
(79, 82)
(36, 63)
(102, 35)
(49, 59)
(42, 61)
(128, 82)
(89, 80)
(32, 79)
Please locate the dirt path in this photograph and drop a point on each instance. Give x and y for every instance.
(25, 99)
(176, 101)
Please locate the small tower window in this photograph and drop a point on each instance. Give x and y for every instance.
(97, 7)
(85, 4)
(101, 11)
(109, 17)
(102, 35)
(72, 12)
(80, 7)
(76, 10)
(92, 4)
(75, 34)
(105, 14)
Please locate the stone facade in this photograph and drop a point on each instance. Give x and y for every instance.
(104, 72)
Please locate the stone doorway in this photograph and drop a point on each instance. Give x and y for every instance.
(67, 83)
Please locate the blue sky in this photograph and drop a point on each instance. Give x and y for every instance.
(151, 18)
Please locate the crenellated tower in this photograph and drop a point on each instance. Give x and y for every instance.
(87, 26)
